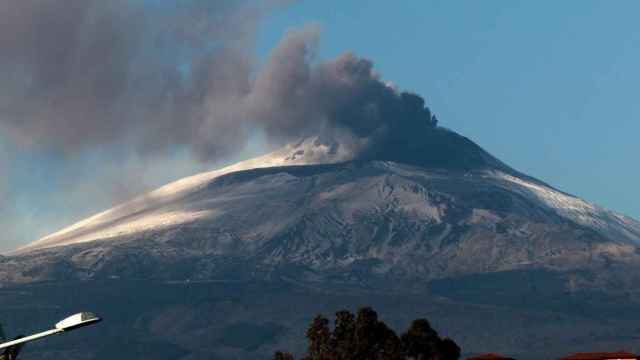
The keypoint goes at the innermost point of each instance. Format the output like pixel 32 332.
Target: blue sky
pixel 548 87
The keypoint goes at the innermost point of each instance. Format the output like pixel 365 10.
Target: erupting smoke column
pixel 112 86
pixel 81 74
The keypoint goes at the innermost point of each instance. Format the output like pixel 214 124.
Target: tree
pixel 319 337
pixel 449 350
pixel 420 341
pixel 365 337
pixel 366 334
pixel 279 355
pixel 343 338
pixel 391 346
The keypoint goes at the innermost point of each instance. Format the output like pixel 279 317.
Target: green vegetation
pixel 364 337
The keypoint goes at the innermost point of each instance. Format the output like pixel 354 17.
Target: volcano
pixel 428 224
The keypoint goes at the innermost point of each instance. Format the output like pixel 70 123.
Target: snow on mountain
pixel 572 208
pixel 332 216
pixel 312 205
pixel 109 223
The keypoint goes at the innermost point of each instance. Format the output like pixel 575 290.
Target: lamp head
pixel 77 321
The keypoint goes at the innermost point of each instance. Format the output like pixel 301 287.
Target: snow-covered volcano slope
pixel 171 205
pixel 381 217
pixel 139 215
pixel 309 204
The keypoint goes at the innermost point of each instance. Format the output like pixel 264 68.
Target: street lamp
pixel 71 323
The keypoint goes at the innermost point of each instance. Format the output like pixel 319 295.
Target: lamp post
pixel 71 323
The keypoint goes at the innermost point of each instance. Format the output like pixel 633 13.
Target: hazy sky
pixel 546 86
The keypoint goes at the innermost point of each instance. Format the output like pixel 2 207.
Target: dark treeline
pixel 363 337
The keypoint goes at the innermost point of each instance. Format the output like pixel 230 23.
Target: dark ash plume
pixel 293 97
pixel 88 73
pixel 147 79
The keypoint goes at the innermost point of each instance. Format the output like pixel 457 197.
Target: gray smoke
pixel 146 79
pixel 81 73
pixel 293 98
pixel 84 73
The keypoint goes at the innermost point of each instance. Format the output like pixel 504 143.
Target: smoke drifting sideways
pixel 81 74
pixel 154 77
pixel 341 98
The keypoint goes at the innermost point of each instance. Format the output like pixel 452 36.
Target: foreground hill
pixel 464 239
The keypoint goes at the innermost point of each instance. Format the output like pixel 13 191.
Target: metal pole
pixel 31 338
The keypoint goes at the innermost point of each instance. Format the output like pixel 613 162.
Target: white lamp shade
pixel 77 321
